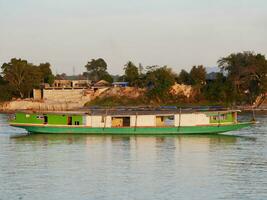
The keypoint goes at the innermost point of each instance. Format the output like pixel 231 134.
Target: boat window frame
pixel 121 117
pixel 163 118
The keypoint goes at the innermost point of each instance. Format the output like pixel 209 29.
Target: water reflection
pixel 134 141
pixel 181 143
pixel 134 167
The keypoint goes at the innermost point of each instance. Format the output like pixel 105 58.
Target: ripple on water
pixel 114 167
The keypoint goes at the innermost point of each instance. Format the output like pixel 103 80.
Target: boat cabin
pixel 133 118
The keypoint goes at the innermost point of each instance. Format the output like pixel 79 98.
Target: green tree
pixel 106 76
pixel 247 72
pixel 63 76
pixel 198 80
pixel 21 76
pixel 159 81
pixel 219 90
pixel 97 70
pixel 2 81
pixel 47 74
pixel 5 92
pixel 198 75
pixel 131 73
pixel 184 77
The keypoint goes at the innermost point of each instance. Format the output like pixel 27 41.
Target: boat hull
pixel 208 129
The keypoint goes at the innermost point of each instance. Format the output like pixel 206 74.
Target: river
pixel 82 167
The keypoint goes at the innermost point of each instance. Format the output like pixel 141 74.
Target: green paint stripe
pixel 134 131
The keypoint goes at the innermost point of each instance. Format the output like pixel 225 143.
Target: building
pixel 71 83
pixel 68 89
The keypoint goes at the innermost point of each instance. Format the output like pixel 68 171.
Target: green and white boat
pixel 130 121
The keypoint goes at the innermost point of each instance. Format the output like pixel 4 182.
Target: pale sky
pixel 177 33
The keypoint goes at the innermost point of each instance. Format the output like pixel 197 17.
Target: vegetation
pixel 97 70
pixel 159 80
pixel 46 73
pixel 19 78
pixel 242 79
pixel 246 75
pixel 219 90
pixel 131 74
pixel 112 101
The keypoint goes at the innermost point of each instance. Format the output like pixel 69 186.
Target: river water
pixel 70 167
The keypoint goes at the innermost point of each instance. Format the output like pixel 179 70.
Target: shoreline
pixel 9 107
pixel 244 109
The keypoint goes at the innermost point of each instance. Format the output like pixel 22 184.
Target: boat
pixel 131 121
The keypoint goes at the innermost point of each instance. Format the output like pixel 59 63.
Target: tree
pixel 106 76
pixel 97 70
pixel 5 92
pixel 198 75
pixel 131 73
pixel 159 81
pixel 21 76
pixel 2 81
pixel 247 72
pixel 219 90
pixel 198 80
pixel 47 74
pixel 62 76
pixel 184 77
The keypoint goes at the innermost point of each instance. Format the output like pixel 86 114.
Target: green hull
pixel 132 131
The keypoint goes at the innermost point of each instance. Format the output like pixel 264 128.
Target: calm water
pixel 64 167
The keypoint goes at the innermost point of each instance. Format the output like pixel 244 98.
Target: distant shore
pixel 4 109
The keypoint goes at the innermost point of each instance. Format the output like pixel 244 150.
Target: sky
pixel 176 33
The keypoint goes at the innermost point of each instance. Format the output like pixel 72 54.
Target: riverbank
pixel 112 97
pixel 29 104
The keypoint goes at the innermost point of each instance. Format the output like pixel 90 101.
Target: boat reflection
pixel 182 142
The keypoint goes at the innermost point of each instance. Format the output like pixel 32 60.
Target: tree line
pixel 242 77
pixel 19 78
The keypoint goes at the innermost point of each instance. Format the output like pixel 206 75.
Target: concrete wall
pixel 63 95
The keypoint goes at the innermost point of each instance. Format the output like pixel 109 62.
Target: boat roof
pixel 124 111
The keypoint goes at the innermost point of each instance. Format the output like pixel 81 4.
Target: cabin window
pixel 221 117
pixel 120 121
pixel 215 118
pixel 165 120
pixel 40 117
pixel 77 123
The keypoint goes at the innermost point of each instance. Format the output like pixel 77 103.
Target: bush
pixel 117 101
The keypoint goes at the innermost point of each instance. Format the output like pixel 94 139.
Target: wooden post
pixel 105 119
pixel 135 124
pixel 91 119
pixel 180 116
pixel 219 119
